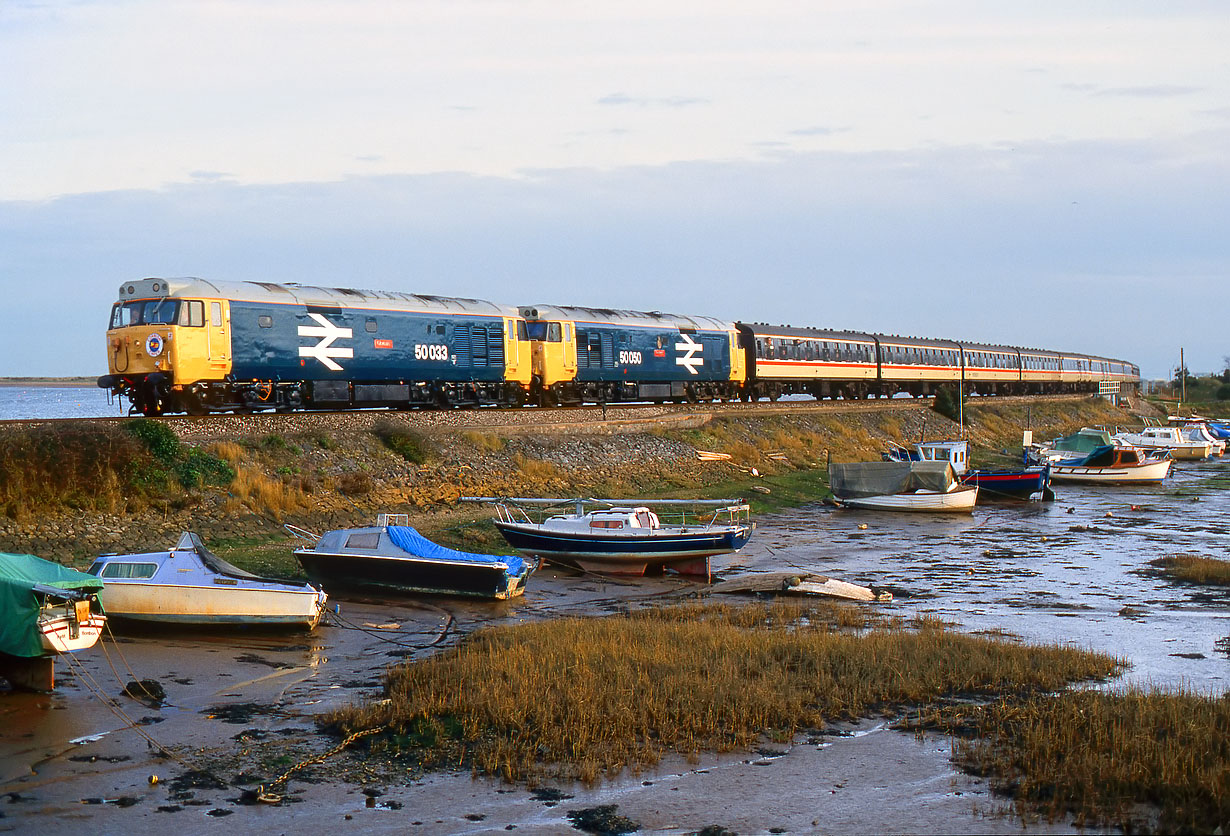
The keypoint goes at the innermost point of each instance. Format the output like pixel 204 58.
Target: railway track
pixel 522 419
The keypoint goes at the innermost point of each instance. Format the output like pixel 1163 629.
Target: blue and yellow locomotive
pixel 196 346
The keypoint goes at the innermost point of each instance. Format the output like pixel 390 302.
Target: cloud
pixel 1154 91
pixel 1055 245
pixel 623 99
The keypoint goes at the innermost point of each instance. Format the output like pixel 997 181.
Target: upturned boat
pixel 391 556
pixel 189 585
pixel 45 609
pixel 626 537
pixel 927 486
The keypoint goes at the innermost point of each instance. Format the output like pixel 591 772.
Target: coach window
pixel 192 314
pixel 264 321
pixel 370 325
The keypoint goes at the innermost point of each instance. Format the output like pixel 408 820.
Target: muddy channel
pixel 242 704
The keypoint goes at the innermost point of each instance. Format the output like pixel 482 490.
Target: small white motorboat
pixel 190 585
pixel 924 486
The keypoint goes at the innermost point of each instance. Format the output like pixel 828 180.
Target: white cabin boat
pixel 1168 439
pixel 1113 465
pixel 190 585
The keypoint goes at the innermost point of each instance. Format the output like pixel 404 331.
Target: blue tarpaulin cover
pixel 19 604
pixel 409 540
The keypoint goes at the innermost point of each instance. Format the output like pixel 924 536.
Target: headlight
pixel 153 345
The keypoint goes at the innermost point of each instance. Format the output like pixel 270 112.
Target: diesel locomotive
pixel 197 346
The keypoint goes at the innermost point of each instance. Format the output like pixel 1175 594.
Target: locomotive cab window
pixel 192 314
pixel 523 333
pixel 554 332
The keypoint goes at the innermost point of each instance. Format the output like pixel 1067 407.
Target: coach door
pixel 218 335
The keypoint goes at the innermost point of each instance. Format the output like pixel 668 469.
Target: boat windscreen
pixel 189 541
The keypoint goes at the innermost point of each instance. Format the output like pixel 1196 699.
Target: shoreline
pixel 49 382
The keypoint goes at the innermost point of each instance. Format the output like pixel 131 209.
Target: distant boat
pixel 1167 439
pixel 45 609
pixel 392 557
pixel 625 537
pixel 1113 465
pixel 189 585
pixel 929 486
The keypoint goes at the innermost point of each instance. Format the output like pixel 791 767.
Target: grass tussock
pixel 1190 568
pixel 263 495
pixel 587 697
pixel 1139 760
pixel 403 441
pixel 535 470
pixel 484 442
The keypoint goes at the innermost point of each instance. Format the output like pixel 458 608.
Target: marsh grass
pixel 1139 760
pixel 585 698
pixel 1191 568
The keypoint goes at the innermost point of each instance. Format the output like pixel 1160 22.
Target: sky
pixel 1050 174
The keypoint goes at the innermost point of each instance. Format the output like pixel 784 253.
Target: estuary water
pixel 23 402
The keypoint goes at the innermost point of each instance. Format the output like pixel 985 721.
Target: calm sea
pixel 57 402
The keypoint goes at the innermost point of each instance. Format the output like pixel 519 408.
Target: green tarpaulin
pixel 855 480
pixel 19 603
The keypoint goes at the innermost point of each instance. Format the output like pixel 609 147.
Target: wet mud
pixel 238 707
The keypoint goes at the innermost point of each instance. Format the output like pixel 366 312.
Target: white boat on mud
pixel 1113 465
pixel 926 486
pixel 625 537
pixel 1167 439
pixel 190 585
pixel 45 610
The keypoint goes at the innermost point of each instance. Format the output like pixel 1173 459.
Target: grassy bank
pixel 589 697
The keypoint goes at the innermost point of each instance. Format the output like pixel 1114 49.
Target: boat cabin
pixel 955 453
pixel 640 519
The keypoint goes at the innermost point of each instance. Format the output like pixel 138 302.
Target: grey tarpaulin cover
pixel 854 480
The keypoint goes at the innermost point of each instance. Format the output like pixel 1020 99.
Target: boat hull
pixel 1149 473
pixel 1008 484
pixel 191 604
pixel 62 632
pixel 959 501
pixel 412 575
pixel 684 552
